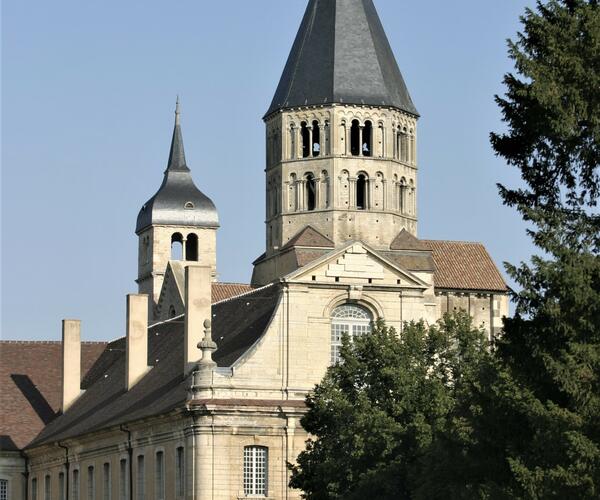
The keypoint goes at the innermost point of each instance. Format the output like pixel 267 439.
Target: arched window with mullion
pixel 348 319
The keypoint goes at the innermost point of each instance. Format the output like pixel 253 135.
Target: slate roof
pixel 308 236
pixel 341 55
pixel 178 201
pixel 30 382
pixel 237 324
pixel 464 266
pixel 406 241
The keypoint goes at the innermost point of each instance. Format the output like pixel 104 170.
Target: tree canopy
pixel 430 413
pixel 376 414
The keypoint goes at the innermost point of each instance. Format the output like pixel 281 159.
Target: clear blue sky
pixel 88 92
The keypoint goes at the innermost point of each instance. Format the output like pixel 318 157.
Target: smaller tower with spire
pixel 178 223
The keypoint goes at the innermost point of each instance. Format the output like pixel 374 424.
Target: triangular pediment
pixel 171 302
pixel 356 263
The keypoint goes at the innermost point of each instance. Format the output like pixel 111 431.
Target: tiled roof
pixel 237 324
pixel 30 381
pixel 222 291
pixel 464 266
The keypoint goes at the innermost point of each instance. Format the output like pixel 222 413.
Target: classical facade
pixel 202 399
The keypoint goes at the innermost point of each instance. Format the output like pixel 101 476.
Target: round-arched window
pixel 349 319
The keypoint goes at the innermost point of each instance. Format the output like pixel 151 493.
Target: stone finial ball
pixel 207 323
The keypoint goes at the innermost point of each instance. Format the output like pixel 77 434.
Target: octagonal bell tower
pixel 341 135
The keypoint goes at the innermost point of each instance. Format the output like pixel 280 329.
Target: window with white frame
pixel 159 476
pixel 179 472
pixel 351 320
pixel 256 465
pixel 3 489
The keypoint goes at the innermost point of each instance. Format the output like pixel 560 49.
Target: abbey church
pixel 202 399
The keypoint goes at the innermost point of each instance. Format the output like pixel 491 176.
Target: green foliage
pixel 552 107
pixel 529 425
pixel 376 414
pixel 430 413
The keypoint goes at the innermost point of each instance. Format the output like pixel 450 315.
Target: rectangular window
pixel 106 482
pixel 47 488
pixel 61 486
pixel 141 479
pixel 3 489
pixel 91 483
pixel 337 331
pixel 34 489
pixel 179 472
pixel 76 480
pixel 159 494
pixel 123 483
pixel 255 470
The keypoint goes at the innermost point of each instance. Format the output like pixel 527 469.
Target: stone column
pixel 183 242
pixel 317 193
pixel 203 463
pixel 370 201
pixel 302 197
pixel 326 139
pixel 360 140
pixel 292 150
pixel 384 194
pixel 352 192
pixel 310 140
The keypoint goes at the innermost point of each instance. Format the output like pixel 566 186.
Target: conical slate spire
pixel 177 154
pixel 178 202
pixel 341 55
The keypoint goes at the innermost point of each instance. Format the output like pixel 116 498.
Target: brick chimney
pixel 137 339
pixel 197 309
pixel 71 362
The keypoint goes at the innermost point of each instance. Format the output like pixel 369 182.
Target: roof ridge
pixel 231 283
pixel 244 294
pixel 454 241
pixel 47 342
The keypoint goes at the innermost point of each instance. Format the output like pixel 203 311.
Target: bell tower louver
pixel 341 136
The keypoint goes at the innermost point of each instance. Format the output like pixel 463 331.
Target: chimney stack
pixel 198 282
pixel 71 362
pixel 137 339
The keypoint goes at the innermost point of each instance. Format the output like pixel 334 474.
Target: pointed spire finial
pixel 177 155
